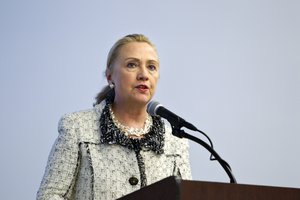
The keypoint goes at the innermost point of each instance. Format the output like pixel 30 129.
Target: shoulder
pixel 78 118
pixel 83 125
pixel 72 120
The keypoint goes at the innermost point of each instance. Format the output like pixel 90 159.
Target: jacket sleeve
pixel 60 173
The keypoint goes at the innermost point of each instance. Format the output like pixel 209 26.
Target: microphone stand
pixel 176 131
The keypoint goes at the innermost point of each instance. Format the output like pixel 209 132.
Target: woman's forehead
pixel 138 50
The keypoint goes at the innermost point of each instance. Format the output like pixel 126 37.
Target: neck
pixel 130 115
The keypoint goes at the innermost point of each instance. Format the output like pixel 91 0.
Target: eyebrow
pixel 136 59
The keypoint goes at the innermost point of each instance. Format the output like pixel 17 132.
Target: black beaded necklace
pixel 111 134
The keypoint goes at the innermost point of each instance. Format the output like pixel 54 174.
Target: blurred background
pixel 232 68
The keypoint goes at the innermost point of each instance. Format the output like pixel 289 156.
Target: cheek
pixel 154 81
pixel 118 77
pixel 124 81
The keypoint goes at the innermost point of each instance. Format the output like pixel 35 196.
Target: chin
pixel 143 100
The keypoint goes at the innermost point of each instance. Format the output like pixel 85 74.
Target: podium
pixel 172 188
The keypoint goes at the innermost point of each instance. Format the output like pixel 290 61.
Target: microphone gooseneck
pixel 154 108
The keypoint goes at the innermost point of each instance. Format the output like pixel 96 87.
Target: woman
pixel 116 148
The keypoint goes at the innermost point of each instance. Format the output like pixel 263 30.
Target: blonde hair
pixel 108 92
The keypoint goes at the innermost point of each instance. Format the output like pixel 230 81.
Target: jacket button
pixel 133 181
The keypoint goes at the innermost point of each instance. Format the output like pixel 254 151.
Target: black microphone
pixel 155 108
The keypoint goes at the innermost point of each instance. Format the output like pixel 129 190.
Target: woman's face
pixel 135 73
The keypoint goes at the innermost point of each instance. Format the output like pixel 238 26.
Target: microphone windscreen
pixel 152 107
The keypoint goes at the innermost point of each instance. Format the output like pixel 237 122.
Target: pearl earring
pixel 111 85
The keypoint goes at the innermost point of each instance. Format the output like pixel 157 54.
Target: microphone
pixel 156 109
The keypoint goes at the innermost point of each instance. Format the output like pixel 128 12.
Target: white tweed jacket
pixel 81 168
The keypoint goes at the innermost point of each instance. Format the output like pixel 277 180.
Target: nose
pixel 143 74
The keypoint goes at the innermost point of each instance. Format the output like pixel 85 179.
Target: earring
pixel 111 85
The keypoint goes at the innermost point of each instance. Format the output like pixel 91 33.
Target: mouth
pixel 144 87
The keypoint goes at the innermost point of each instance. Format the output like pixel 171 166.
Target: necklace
pixel 130 131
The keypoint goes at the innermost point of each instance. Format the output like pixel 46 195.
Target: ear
pixel 108 76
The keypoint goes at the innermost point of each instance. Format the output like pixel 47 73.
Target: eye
pixel 131 65
pixel 152 67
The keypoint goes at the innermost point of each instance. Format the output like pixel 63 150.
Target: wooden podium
pixel 172 188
